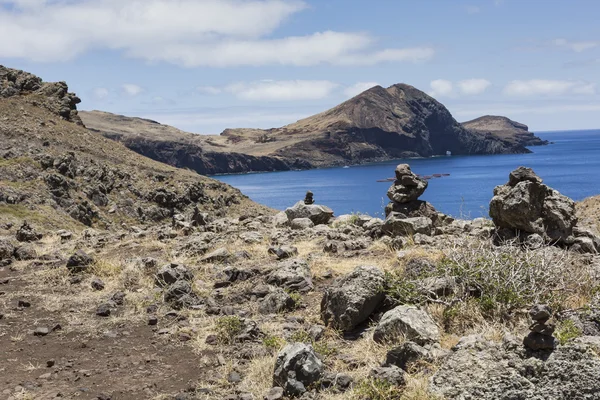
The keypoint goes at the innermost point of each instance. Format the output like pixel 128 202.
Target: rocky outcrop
pixel 54 96
pixel 296 368
pixel 351 299
pixel 505 129
pixel 408 322
pixel 480 369
pixel 318 214
pixel 525 206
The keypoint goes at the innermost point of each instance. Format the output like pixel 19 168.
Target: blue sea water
pixel 571 165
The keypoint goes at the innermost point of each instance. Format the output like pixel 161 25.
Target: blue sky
pixel 206 65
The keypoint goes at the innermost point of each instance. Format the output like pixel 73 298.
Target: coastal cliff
pixel 377 125
pixel 505 129
pixel 181 149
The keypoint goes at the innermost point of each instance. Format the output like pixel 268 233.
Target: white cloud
pixel 212 90
pixel 473 86
pixel 472 9
pixel 541 87
pixel 577 47
pixel 358 88
pixel 100 93
pixel 441 87
pixel 282 90
pixel 191 33
pixel 131 89
pixel 512 109
pixel 498 3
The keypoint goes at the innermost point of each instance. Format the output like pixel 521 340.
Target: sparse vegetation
pixel 376 389
pixel 228 327
pixel 566 331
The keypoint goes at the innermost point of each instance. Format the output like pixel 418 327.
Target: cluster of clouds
pixel 515 88
pixel 286 90
pixel 189 33
pixel 443 87
pixel 102 93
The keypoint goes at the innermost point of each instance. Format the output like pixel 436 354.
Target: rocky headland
pixel 124 278
pixel 378 124
pixel 505 129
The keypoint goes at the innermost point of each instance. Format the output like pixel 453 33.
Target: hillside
pixel 505 129
pixel 200 153
pixel 124 278
pixel 378 124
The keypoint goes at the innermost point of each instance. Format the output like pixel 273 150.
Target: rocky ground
pixel 123 278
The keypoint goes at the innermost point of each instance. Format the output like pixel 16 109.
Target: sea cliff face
pixel 377 125
pixel 505 129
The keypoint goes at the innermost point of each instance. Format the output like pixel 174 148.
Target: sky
pixel 207 65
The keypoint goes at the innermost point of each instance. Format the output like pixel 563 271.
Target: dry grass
pixel 588 212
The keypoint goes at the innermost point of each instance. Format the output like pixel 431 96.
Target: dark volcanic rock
pixel 526 205
pixel 54 96
pixel 504 129
pixel 351 299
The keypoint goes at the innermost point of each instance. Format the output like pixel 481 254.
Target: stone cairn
pixel 404 195
pixel 540 337
pixel 308 199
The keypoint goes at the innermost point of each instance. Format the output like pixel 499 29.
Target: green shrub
pixel 228 328
pixel 273 342
pixel 566 331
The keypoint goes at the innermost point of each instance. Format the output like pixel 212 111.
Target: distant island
pixel 377 125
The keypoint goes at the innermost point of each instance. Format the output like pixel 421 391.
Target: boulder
pixel 293 275
pixel 275 302
pixel 350 300
pixel 318 214
pixel 172 273
pixel 6 250
pixel 406 354
pixel 25 252
pixel 416 208
pixel 283 252
pixel 79 262
pixel 221 255
pixel 180 294
pixel 27 233
pixel 299 224
pixel 395 224
pixel 526 205
pixel 296 368
pixel 390 374
pixel 407 321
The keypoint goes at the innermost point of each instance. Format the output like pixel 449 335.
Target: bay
pixel 570 165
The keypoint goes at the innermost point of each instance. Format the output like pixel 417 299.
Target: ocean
pixel 570 165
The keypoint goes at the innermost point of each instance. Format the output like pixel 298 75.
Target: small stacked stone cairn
pixel 308 199
pixel 540 337
pixel 404 195
pixel 407 187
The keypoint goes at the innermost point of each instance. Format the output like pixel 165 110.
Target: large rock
pixel 275 302
pixel 293 275
pixel 6 251
pixel 408 322
pixel 172 273
pixel 407 187
pixel 318 214
pixel 479 369
pixel 351 299
pixel 395 224
pixel 79 261
pixel 526 205
pixel 296 368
